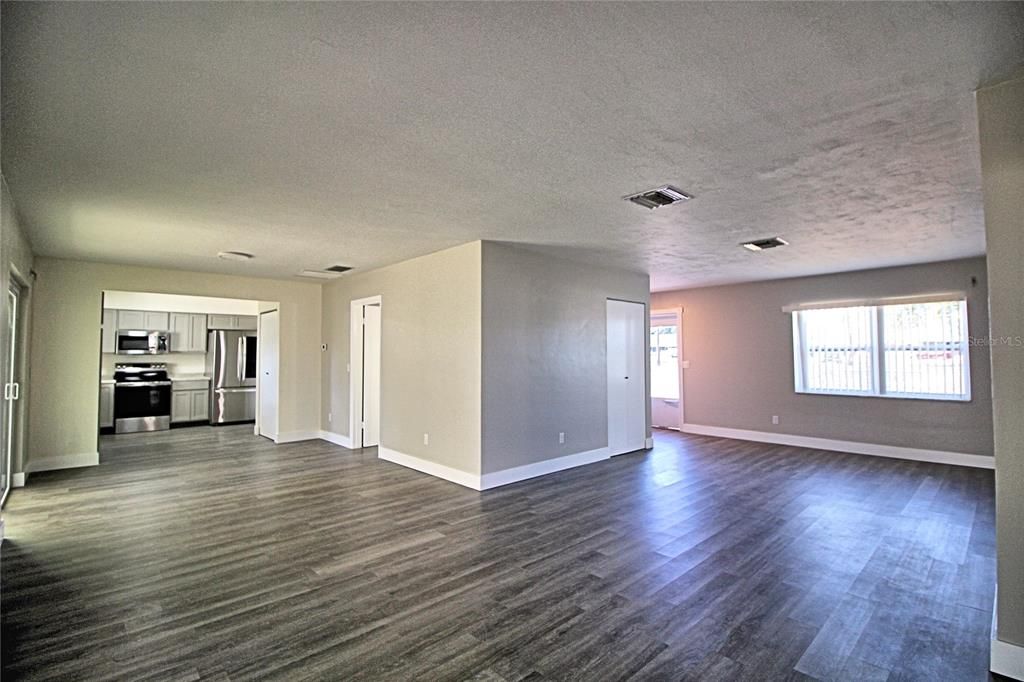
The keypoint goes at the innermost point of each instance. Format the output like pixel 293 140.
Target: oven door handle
pixel 129 384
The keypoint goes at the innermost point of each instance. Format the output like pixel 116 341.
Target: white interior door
pixel 371 375
pixel 12 390
pixel 269 353
pixel 627 377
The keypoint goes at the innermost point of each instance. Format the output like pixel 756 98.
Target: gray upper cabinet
pixel 131 319
pixel 181 332
pixel 222 321
pixel 157 321
pixel 197 330
pixel 188 333
pixel 241 322
pixel 188 330
pixel 143 319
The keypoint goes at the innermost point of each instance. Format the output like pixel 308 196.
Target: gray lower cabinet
pixel 189 402
pixel 106 405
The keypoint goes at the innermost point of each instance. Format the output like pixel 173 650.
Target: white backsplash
pixel 177 363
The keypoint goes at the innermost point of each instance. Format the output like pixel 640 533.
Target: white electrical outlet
pixel 426 439
pixel 775 419
pixel 561 438
pixel 330 417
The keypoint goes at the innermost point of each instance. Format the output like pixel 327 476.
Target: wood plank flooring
pixel 209 553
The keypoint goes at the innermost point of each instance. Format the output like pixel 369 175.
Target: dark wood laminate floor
pixel 212 554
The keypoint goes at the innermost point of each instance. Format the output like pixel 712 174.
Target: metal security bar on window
pixel 913 350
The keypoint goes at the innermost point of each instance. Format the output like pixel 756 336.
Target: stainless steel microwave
pixel 143 342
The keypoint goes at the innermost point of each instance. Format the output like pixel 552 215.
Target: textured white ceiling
pixel 364 134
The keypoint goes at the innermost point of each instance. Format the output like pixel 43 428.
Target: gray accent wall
pixel 544 354
pixel 1001 127
pixel 740 347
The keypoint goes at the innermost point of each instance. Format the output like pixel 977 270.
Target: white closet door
pixel 371 375
pixel 267 347
pixel 627 377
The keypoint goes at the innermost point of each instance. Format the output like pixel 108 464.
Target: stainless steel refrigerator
pixel 231 364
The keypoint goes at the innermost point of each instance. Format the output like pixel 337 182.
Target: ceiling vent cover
pixel 332 272
pixel 656 198
pixel 762 244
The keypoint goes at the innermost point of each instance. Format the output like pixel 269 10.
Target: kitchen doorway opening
pixel 170 361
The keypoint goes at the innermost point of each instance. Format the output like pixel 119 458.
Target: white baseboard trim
pixel 893 451
pixel 427 467
pixel 296 436
pixel 548 466
pixel 1005 658
pixel 336 438
pixel 649 443
pixel 18 480
pixel 83 459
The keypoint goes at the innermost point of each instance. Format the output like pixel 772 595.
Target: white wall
pixel 430 355
pixel 65 363
pixel 1001 126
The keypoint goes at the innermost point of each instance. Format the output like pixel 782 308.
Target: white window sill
pixel 892 396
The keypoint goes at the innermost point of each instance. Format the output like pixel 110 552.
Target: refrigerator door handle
pixel 243 389
pixel 240 364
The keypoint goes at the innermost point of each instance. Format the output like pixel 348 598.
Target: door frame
pixel 19 409
pixel 678 312
pixel 355 366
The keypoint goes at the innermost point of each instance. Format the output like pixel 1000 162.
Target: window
pixel 915 350
pixel 664 360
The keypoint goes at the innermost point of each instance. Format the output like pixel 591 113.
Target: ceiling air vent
pixel 762 244
pixel 331 272
pixel 656 198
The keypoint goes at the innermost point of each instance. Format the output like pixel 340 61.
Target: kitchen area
pixel 171 361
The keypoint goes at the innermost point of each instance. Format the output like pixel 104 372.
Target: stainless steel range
pixel 142 397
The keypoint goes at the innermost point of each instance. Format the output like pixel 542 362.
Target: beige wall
pixel 1001 124
pixel 66 345
pixel 16 260
pixel 740 347
pixel 544 354
pixel 430 355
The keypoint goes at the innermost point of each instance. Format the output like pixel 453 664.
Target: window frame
pixel 877 352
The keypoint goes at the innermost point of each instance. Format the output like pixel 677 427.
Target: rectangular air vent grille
pixel 656 198
pixel 762 244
